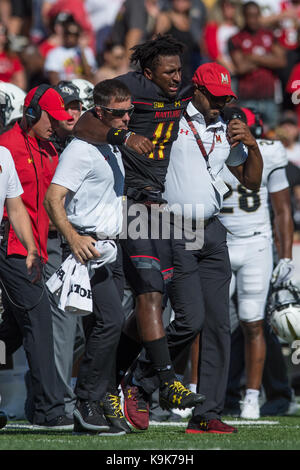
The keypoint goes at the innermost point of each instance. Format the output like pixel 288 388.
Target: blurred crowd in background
pixel 45 41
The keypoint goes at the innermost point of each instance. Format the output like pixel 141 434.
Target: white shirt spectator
pixel 67 62
pixel 10 185
pixel 94 176
pixel 185 187
pixel 268 7
pixel 102 13
pixel 293 154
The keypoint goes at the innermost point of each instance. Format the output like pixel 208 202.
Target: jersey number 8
pixel 249 201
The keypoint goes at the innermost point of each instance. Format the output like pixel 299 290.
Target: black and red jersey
pixel 157 117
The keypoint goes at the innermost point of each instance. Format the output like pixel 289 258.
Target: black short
pixel 147 261
pixel 21 8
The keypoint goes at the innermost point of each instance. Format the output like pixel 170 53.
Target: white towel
pixel 71 281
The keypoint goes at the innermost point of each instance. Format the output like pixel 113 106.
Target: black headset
pixel 33 111
pixel 257 128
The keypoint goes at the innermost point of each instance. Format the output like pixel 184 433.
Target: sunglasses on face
pixel 72 33
pixel 118 112
pixel 220 100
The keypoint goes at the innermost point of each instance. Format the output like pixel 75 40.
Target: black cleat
pixel 113 413
pixel 3 419
pixel 176 395
pixel 89 415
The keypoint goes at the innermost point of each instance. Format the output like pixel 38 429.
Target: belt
pixel 94 235
pixel 195 223
pixel 52 234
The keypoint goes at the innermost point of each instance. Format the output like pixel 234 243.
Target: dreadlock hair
pixel 147 54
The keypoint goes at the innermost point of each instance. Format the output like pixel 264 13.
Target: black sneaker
pixel 3 419
pixel 113 413
pixel 112 431
pixel 89 414
pixel 176 395
pixel 60 423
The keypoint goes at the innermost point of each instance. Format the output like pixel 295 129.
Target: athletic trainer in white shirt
pixel 199 291
pixel 90 179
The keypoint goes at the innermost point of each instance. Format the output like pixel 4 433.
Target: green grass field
pixel 276 433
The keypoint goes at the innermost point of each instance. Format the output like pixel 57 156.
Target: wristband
pixel 127 136
pixel 116 136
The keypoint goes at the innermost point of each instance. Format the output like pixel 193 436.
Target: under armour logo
pixel 177 399
pixel 182 131
pixel 218 138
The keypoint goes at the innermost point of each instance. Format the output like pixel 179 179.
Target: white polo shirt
pixel 94 176
pixel 188 181
pixel 10 185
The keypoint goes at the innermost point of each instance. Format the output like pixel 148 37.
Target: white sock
pixel 192 388
pixel 252 394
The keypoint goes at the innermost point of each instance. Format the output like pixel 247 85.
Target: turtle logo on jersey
pixel 158 104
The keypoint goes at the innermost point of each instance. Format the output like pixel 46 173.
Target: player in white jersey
pixel 246 216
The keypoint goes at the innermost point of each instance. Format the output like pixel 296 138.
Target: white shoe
pixel 187 413
pixel 294 407
pixel 250 409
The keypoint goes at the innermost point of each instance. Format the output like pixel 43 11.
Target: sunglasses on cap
pixel 220 100
pixel 116 112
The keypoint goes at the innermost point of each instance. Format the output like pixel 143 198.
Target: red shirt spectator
pixel 260 82
pixel 288 33
pixel 218 32
pixel 11 69
pixel 293 87
pixel 45 47
pixel 9 65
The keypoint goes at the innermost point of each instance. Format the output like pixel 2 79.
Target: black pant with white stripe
pixel 199 294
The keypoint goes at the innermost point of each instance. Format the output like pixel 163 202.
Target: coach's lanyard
pixel 199 141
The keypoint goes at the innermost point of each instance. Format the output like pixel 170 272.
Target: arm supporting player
pixel 82 246
pixel 92 130
pixel 249 173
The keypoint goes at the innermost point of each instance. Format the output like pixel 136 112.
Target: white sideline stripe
pixel 251 421
pixel 155 423
pixel 231 423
